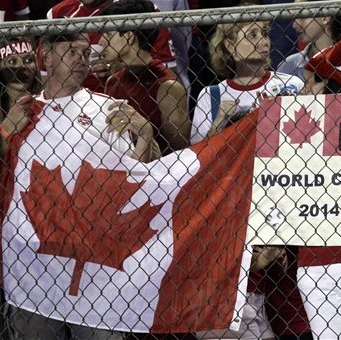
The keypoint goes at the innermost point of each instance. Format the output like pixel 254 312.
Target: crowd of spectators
pixel 165 80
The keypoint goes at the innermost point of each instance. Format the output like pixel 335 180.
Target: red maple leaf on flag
pixel 88 225
pixel 302 128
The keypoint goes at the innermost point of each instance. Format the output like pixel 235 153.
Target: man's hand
pixel 123 117
pixel 16 119
pixel 18 116
pixel 100 69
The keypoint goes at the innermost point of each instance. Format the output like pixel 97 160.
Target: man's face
pixel 69 61
pixel 115 46
pixel 309 30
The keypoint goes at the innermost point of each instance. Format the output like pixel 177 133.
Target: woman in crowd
pixel 18 77
pixel 240 53
pixel 18 72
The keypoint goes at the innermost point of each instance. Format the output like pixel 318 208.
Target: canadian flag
pixel 95 238
pixel 92 237
pixel 297 177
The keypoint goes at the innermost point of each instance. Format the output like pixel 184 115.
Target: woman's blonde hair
pixel 222 60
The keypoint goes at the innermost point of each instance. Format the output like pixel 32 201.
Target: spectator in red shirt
pixel 15 10
pixel 148 85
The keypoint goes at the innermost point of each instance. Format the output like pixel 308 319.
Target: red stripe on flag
pixel 7 171
pixel 332 126
pixel 209 221
pixel 268 128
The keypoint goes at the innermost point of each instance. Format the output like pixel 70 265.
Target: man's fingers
pixel 117 103
pixel 119 123
pixel 25 100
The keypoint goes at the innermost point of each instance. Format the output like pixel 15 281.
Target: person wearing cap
pixel 46 131
pixel 18 72
pixel 78 9
pixel 319 268
pixel 19 76
pixel 323 71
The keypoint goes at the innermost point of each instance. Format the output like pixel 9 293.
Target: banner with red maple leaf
pixel 96 238
pixel 297 177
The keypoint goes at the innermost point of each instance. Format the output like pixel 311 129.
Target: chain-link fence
pixel 171 174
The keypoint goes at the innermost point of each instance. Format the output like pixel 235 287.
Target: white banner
pixel 296 197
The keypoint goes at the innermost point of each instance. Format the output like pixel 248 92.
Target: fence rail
pixel 97 244
pixel 173 19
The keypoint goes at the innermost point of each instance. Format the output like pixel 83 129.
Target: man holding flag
pixel 95 241
pixel 68 118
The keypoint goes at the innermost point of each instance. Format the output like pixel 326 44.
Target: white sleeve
pixel 202 118
pixel 300 83
pixel 122 143
pixel 23 11
pixel 49 14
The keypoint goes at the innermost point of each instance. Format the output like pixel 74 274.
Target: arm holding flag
pixel 226 110
pixel 123 118
pixel 16 119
